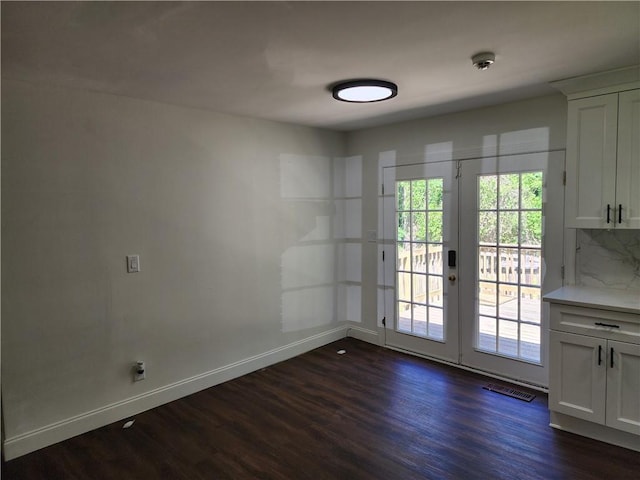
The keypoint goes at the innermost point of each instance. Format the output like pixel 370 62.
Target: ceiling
pixel 274 60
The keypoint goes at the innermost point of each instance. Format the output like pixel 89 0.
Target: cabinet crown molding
pixel 599 83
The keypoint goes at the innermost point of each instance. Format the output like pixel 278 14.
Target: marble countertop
pixel 594 297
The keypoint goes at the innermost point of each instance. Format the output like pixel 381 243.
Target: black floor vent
pixel 510 392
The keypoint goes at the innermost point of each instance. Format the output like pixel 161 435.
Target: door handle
pixel 599 354
pixel 611 357
pixel 620 213
pixel 608 325
pixel 608 213
pixel 452 278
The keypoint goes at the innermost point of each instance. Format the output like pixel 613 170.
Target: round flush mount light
pixel 364 91
pixel 483 60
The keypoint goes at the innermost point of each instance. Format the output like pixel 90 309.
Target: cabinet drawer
pixel 607 324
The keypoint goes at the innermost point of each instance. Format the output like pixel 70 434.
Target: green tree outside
pixel 516 197
pixel 419 206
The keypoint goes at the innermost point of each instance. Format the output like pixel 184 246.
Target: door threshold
pixel 533 386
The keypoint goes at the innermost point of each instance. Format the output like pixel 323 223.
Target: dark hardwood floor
pixel 370 414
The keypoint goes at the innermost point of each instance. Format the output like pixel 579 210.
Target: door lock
pixel 452 278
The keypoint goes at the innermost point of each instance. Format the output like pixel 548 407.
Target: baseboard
pixel 364 334
pixel 602 433
pixel 63 430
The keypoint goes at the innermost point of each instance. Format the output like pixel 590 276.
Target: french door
pixel 423 223
pixel 472 241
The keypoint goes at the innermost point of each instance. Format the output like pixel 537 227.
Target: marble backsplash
pixel 608 258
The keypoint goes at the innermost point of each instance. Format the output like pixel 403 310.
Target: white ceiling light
pixel 483 60
pixel 364 91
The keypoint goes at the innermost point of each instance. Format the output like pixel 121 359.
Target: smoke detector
pixel 483 60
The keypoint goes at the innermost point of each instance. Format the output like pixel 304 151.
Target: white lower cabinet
pixel 594 373
pixel 596 380
pixel 623 387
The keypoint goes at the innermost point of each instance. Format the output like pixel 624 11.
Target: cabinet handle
pixel 608 213
pixel 599 354
pixel 610 325
pixel 620 213
pixel 611 357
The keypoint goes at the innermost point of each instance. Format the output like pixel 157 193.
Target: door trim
pixel 552 163
pixel 448 350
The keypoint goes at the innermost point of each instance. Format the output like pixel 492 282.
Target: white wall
pixel 256 240
pixel 538 124
pixel 238 231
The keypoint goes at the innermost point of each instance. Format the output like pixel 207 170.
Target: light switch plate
pixel 133 263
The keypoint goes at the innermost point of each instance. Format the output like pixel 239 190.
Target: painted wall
pixel 239 229
pixel 256 239
pixel 533 125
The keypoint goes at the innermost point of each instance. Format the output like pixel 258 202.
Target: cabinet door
pixel 577 376
pixel 591 162
pixel 623 386
pixel 628 176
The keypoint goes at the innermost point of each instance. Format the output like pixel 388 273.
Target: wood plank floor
pixel 370 414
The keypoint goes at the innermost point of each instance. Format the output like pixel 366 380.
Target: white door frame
pixel 552 165
pixel 458 308
pixel 449 349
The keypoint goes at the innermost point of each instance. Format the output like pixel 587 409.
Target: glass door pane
pixel 419 209
pixel 509 225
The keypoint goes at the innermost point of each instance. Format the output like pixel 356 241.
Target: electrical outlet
pixel 139 371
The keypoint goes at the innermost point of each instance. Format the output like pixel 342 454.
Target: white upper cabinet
pixel 603 149
pixel 591 161
pixel 603 161
pixel 628 165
